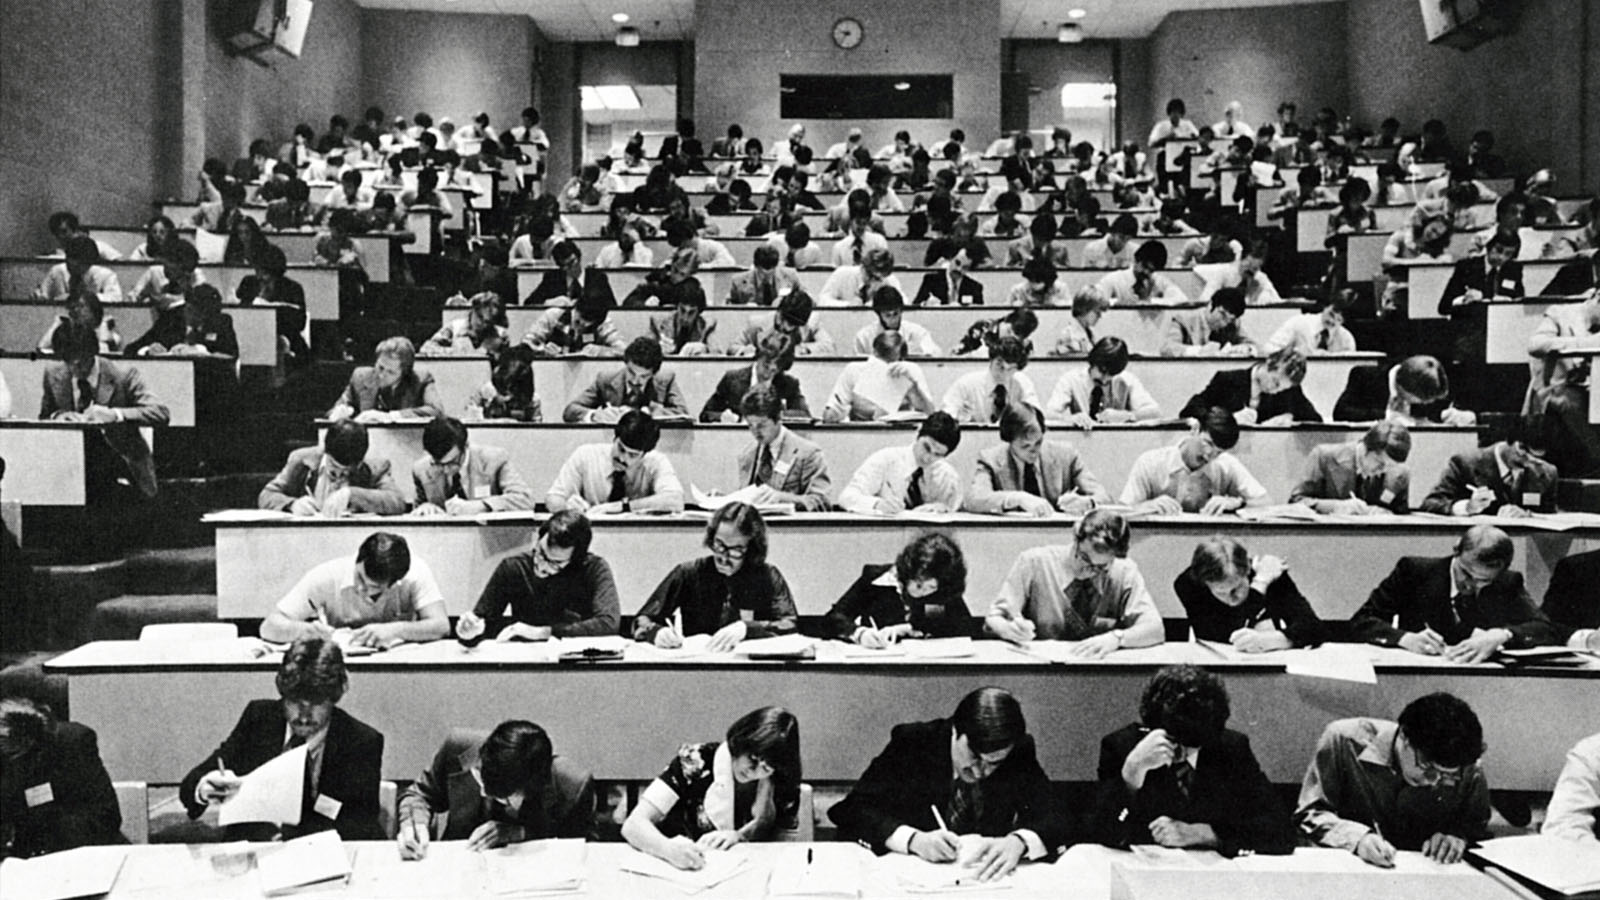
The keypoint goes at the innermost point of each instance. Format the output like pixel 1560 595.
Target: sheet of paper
pixel 1175 858
pixel 82 872
pixel 537 868
pixel 1338 662
pixel 822 870
pixel 1295 512
pixel 271 793
pixel 1549 861
pixel 211 246
pixel 750 494
pixel 609 643
pixel 918 876
pixel 448 870
pixel 245 515
pixel 940 648
pixel 720 866
pixel 313 859
pixel 880 388
pixel 1309 860
pixel 783 645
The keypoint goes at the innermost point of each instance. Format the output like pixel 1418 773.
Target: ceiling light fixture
pixel 1077 13
pixel 902 85
pixel 1070 33
pixel 627 36
pixel 620 18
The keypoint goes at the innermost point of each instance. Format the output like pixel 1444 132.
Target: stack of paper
pixel 826 870
pixel 720 866
pixel 537 868
pixel 314 859
pixel 788 646
pixel 83 872
pixel 918 876
pixel 747 494
pixel 1563 866
pixel 271 793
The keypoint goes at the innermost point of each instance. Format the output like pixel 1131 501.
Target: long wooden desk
pixel 19 276
pixel 299 246
pixel 22 323
pixel 45 461
pixel 170 378
pixel 821 554
pixel 704 454
pixel 1426 283
pixel 907 251
pixel 133 692
pixel 1511 325
pixel 1364 252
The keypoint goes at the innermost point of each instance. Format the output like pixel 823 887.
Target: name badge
pixel 781 467
pixel 933 610
pixel 327 807
pixel 1386 497
pixel 480 491
pixel 1532 498
pixel 1508 285
pixel 747 616
pixel 39 795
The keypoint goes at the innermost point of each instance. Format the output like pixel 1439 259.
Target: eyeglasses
pixel 545 560
pixel 1434 774
pixel 721 549
pixel 1084 563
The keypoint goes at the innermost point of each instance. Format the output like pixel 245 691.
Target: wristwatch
pixel 1118 633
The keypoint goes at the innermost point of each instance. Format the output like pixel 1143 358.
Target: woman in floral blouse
pixel 714 795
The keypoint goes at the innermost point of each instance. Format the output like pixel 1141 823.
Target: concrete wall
pixel 447 64
pixel 1047 65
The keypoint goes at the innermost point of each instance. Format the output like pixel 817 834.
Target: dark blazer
pixel 942 614
pixel 284 290
pixel 596 289
pixel 1231 391
pixel 372 486
pixel 352 763
pixel 1229 792
pixel 1572 601
pixel 1417 593
pixel 1478 467
pixel 735 383
pixel 1572 280
pixel 1366 397
pixel 121 389
pixel 565 807
pixel 1283 604
pixel 417 394
pixel 936 287
pixel 170 330
pixel 1331 475
pixel 610 389
pixel 914 773
pixel 82 808
pixel 1471 273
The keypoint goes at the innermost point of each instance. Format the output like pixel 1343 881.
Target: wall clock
pixel 847 33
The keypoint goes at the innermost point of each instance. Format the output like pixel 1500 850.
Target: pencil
pixel 938 818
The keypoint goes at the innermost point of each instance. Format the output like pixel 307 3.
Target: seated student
pixel 496 788
pixel 555 589
pixel 392 384
pixel 1318 332
pixel 1195 475
pixel 685 331
pixel 919 595
pixel 1475 282
pixel 385 598
pixel 855 285
pixel 1570 600
pixel 1088 592
pixel 792 319
pixel 1574 810
pixel 570 284
pixel 57 794
pixel 915 477
pixel 731 594
pixel 770 370
pixel 1416 390
pixel 479 331
pixel 1364 477
pixel 1008 222
pixel 1030 474
pixel 1375 786
pixel 64 225
pixel 1180 778
pixel 1210 331
pixel 1089 304
pixel 975 772
pixel 1142 282
pixel 1267 393
pixel 460 479
pixel 1115 249
pixel 509 393
pixel 639 384
pixel 627 251
pixel 1464 606
pixel 344 755
pixel 983 396
pixel 293 210
pixel 953 285
pixel 1244 274
pixel 579 328
pixel 765 282
pixel 625 475
pixel 270 284
pixel 1039 243
pixel 889 306
pixel 1019 323
pixel 334 480
pixel 1169 222
pixel 1506 479
pixel 81 387
pixel 193 326
pixel 1040 286
pixel 164 284
pixel 158 230
pixel 1427 240
pixel 1251 603
pixel 84 308
pixel 347 194
pixel 888 350
pixel 1102 392
pixel 714 795
pixel 81 271
pixel 790 468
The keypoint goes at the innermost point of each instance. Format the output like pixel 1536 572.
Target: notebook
pixel 81 872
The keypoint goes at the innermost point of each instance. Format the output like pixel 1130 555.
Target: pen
pixel 938 818
pixel 873 622
pixel 222 767
pixel 809 856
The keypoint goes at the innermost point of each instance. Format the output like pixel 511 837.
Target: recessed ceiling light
pixel 1070 33
pixel 619 18
pixel 902 85
pixel 627 36
pixel 1077 13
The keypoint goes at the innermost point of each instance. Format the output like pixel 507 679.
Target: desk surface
pixel 130 692
pixel 19 277
pixel 22 323
pixel 170 378
pixel 52 455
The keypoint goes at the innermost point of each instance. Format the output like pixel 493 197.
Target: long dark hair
pixel 772 735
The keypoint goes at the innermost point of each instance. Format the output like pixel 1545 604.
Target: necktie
pixel 999 402
pixel 455 487
pixel 85 394
pixel 966 807
pixel 766 288
pixel 1322 339
pixel 619 486
pixel 763 470
pixel 1183 775
pixel 308 781
pixel 1030 480
pixel 1097 400
pixel 855 250
pixel 955 289
pixel 788 260
pixel 914 490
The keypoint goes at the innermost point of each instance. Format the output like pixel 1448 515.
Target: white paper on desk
pixel 313 859
pixel 877 386
pixel 343 637
pixel 903 415
pixel 1157 856
pixel 245 515
pixel 1307 860
pixel 940 648
pixel 1225 651
pixel 720 866
pixel 750 494
pixel 852 650
pixel 503 515
pixel 272 793
pixel 537 868
pixel 918 876
pixel 81 872
pixel 1296 512
pixel 607 643
pixel 1550 861
pixel 785 645
pixel 1338 662
pixel 823 870
pixel 211 246
pixel 448 870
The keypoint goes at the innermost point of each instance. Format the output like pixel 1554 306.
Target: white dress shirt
pixel 1126 392
pixel 843 287
pixel 1161 472
pixel 919 341
pixel 887 474
pixel 843 252
pixel 1304 331
pixel 971 398
pixel 1119 287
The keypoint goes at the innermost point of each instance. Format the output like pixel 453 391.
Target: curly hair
pixel 1187 702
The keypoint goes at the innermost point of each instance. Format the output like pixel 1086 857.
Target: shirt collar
pixel 1174 462
pixel 1500 462
pixel 315 742
pixel 1379 750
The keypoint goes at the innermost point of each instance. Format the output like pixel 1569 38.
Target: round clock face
pixel 847 33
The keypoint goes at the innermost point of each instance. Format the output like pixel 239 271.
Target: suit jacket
pixel 1571 600
pixel 352 763
pixel 1229 792
pixel 171 329
pixel 798 467
pixel 416 394
pixel 1331 475
pixel 596 288
pixel 488 476
pixel 372 487
pixel 941 614
pixel 1366 398
pixel 914 773
pixel 118 388
pixel 1478 467
pixel 1231 390
pixel 743 289
pixel 1060 471
pixel 610 389
pixel 1471 273
pixel 735 383
pixel 1212 620
pixel 936 287
pixel 82 808
pixel 1417 592
pixel 565 808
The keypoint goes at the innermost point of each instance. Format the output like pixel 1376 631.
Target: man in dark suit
pixel 1463 607
pixel 1416 390
pixel 344 756
pixel 54 790
pixel 82 387
pixel 570 280
pixel 639 384
pixel 1504 479
pixel 1267 393
pixel 1180 779
pixel 953 285
pixel 1572 602
pixel 977 769
pixel 1476 282
pixel 497 788
pixel 774 357
pixel 335 479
